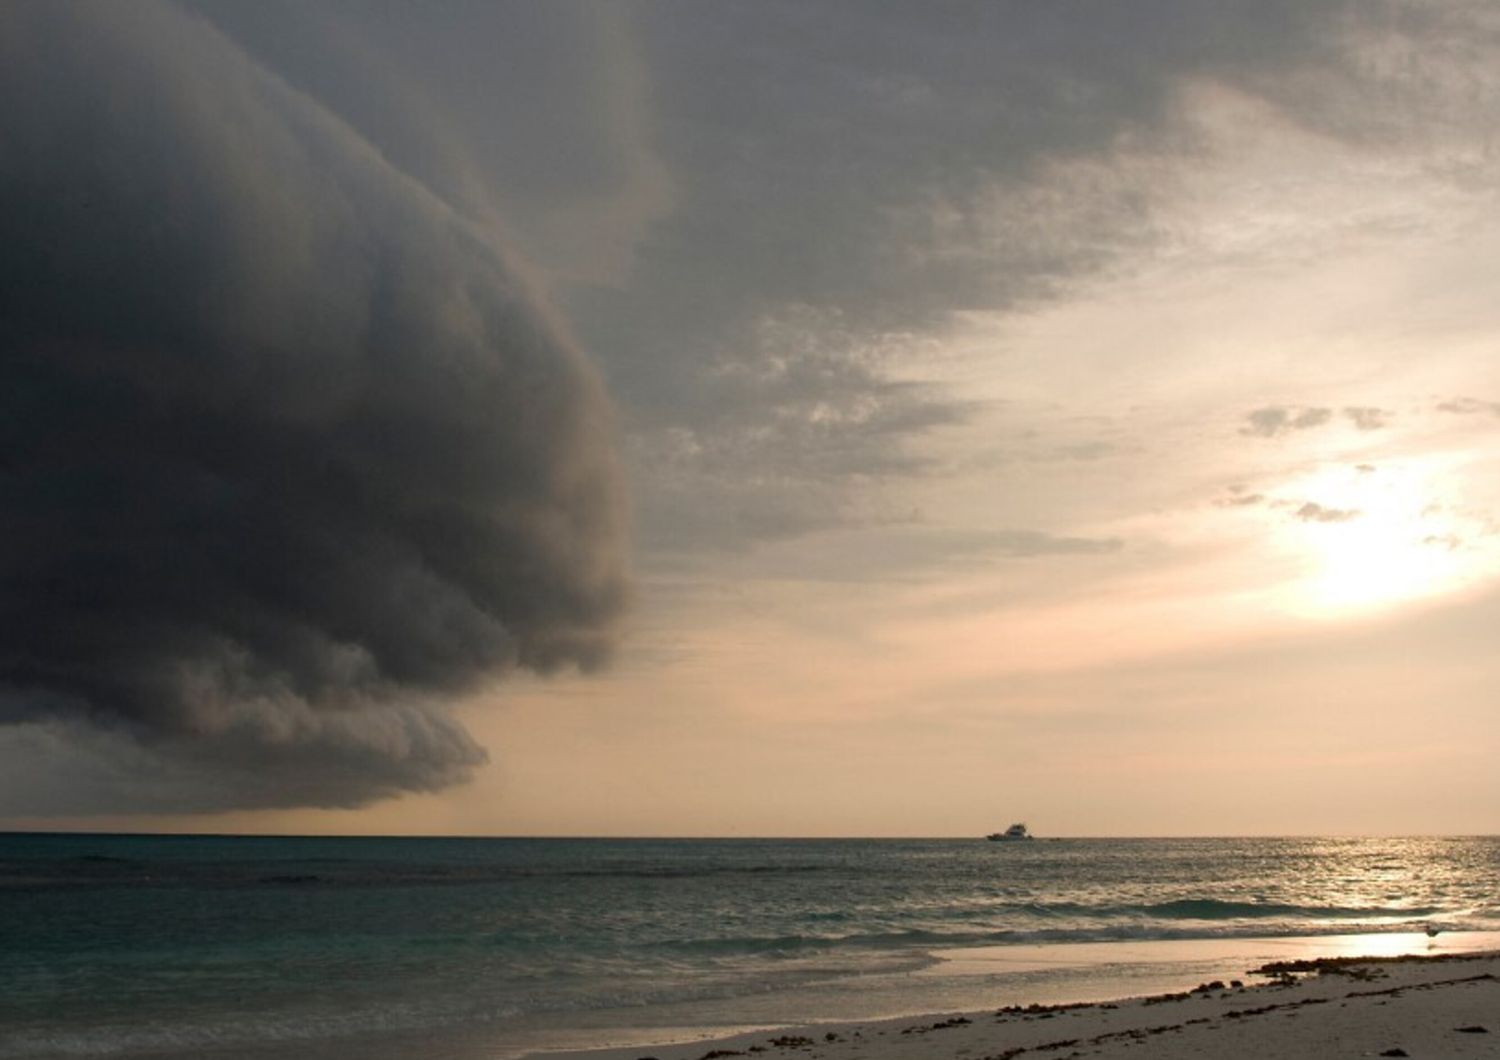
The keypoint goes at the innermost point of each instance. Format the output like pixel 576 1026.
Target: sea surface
pixel 163 946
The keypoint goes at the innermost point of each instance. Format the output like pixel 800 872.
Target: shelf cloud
pixel 292 458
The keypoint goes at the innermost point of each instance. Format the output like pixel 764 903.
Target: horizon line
pixel 145 834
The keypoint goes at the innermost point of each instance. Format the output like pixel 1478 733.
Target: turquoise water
pixel 243 946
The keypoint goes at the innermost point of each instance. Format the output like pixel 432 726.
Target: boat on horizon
pixel 1011 834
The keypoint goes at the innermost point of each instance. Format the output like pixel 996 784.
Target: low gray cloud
pixel 1312 512
pixel 1272 421
pixel 1466 406
pixel 291 456
pixel 1368 418
pixel 1275 420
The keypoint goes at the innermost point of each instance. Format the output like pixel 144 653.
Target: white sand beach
pixel 1446 1006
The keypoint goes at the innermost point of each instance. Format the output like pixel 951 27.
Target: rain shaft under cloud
pixel 291 456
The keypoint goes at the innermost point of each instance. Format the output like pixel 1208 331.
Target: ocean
pixel 206 946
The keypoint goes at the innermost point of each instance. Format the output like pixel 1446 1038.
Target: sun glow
pixel 1378 562
pixel 1375 538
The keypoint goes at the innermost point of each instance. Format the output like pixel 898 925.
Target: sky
pixel 750 418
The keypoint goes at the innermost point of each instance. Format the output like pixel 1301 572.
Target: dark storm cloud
pixel 888 136
pixel 289 456
pixel 526 115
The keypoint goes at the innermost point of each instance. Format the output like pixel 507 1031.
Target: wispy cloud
pixel 1036 543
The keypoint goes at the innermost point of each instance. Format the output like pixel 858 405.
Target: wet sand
pixel 1432 1007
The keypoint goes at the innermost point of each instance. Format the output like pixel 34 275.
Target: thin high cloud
pixel 1029 543
pixel 292 456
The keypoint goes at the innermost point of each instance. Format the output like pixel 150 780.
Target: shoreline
pixel 1437 1005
